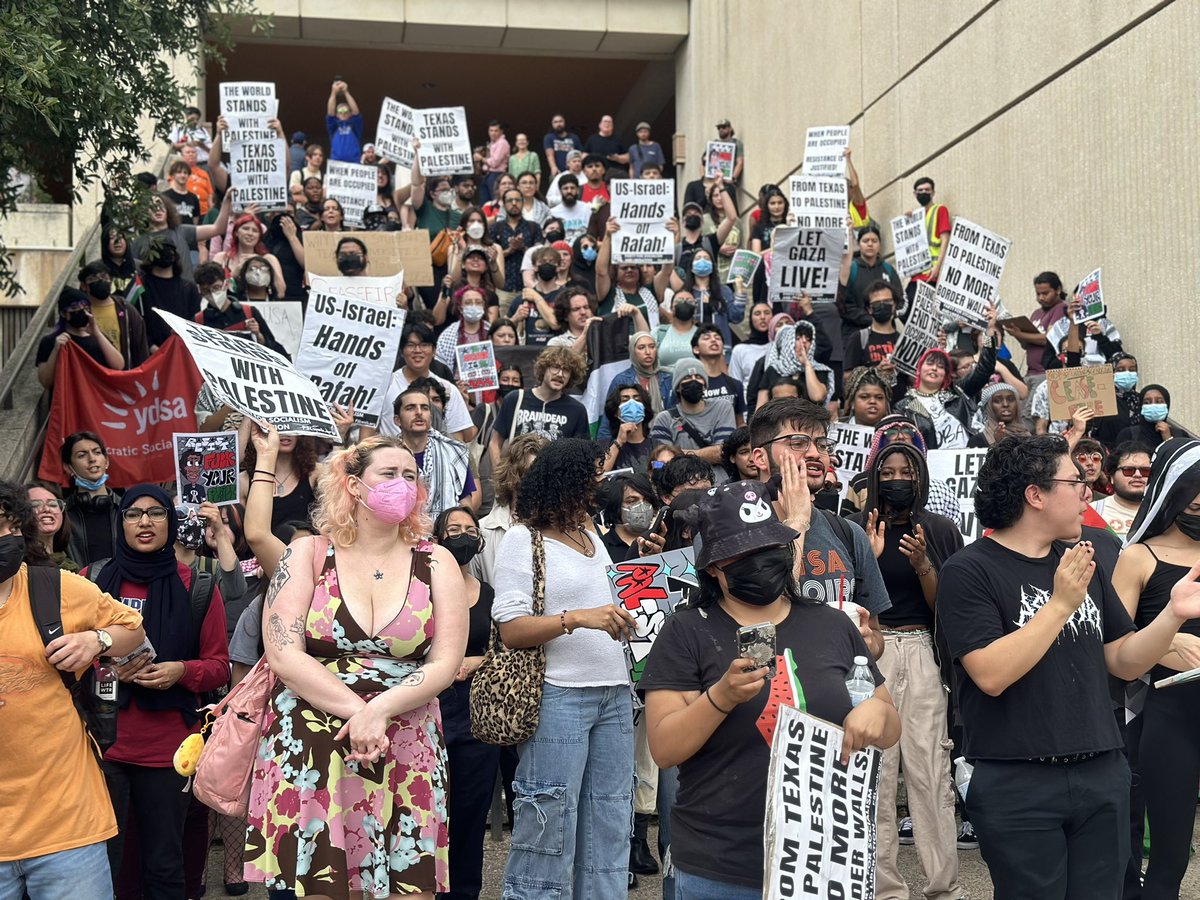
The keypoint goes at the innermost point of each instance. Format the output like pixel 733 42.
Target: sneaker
pixel 966 837
pixel 905 832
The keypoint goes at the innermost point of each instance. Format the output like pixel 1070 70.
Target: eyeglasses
pixel 1077 482
pixel 420 345
pixel 1130 471
pixel 801 442
pixel 1089 457
pixel 896 431
pixel 59 504
pixel 133 515
pixel 456 530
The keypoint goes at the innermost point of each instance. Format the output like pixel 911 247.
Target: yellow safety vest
pixel 859 221
pixel 935 242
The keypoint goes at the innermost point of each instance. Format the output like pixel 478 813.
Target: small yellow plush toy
pixel 188 754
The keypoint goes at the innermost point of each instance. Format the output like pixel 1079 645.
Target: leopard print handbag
pixel 506 692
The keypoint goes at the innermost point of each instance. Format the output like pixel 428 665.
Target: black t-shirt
pixel 174 295
pixel 903 585
pixel 606 146
pixel 87 343
pixel 537 330
pixel 729 388
pixel 878 347
pixel 717 822
pixel 1059 707
pixel 565 417
pixel 187 203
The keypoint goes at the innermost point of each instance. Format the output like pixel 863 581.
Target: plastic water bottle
pixel 860 684
pixel 962 775
pixel 106 688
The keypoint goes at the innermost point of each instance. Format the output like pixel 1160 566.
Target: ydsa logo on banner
pixel 145 413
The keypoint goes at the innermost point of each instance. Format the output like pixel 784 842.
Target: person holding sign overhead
pixel 937 229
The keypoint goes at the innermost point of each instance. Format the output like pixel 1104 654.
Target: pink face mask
pixel 392 501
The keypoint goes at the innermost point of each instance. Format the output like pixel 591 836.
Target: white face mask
pixel 475 230
pixel 258 277
pixel 219 299
pixel 472 313
pixel 445 198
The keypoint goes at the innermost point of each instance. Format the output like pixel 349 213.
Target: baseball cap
pixel 368 148
pixel 688 366
pixel 475 251
pixel 724 123
pixel 640 126
pixel 692 204
pixel 574 154
pixel 738 518
pixel 299 137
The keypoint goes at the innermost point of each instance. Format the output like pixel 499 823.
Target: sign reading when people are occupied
pixel 819 831
pixel 805 261
pixel 352 185
pixel 920 331
pixel 971 272
pixel 959 470
pixel 823 146
pixel 642 209
pixel 818 201
pixel 247 106
pixel 445 145
pixel 912 245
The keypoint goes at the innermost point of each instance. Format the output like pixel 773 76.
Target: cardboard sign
pixel 255 380
pixel 395 131
pixel 743 265
pixel 971 272
pixel 643 209
pixel 1092 386
pixel 285 318
pixel 247 107
pixel 819 202
pixel 1091 297
pixel 823 146
pixel 853 448
pixel 820 822
pixel 259 171
pixel 388 252
pixel 475 365
pixel 206 468
pixel 805 261
pixel 920 331
pixel 352 185
pixel 912 245
pixel 959 470
pixel 445 144
pixel 349 347
pixel 719 159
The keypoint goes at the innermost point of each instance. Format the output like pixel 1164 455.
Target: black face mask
pixel 691 223
pixel 349 262
pixel 691 391
pixel 12 554
pixel 760 579
pixel 552 236
pixel 167 257
pixel 505 389
pixel 547 271
pixel 684 310
pixel 1189 525
pixel 100 289
pixel 462 547
pixel 924 199
pixel 881 312
pixel 898 494
pixel 77 319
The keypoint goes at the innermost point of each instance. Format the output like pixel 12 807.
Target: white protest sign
pixel 352 185
pixel 394 134
pixel 285 318
pixel 959 469
pixel 853 447
pixel 719 159
pixel 912 245
pixel 255 380
pixel 1091 295
pixel 819 201
pixel 382 290
pixel 823 146
pixel 820 823
pixel 970 276
pixel 920 331
pixel 642 208
pixel 445 144
pixel 805 261
pixel 247 106
pixel 475 364
pixel 259 171
pixel 349 348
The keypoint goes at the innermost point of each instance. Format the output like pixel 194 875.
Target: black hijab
pixel 167 614
pixel 756 336
pixel 1174 483
pixel 582 271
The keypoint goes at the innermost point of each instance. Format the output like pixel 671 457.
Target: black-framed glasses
pixel 1077 482
pixel 1130 471
pixel 55 504
pixel 801 442
pixel 133 515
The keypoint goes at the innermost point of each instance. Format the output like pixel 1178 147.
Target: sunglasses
pixel 1130 471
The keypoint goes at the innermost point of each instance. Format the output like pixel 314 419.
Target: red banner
pixel 134 412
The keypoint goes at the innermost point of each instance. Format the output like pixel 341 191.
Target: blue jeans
pixel 693 887
pixel 78 874
pixel 574 798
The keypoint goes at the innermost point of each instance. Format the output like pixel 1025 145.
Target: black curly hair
pixel 613 403
pixel 15 506
pixel 682 472
pixel 613 496
pixel 559 490
pixel 1012 465
pixel 737 439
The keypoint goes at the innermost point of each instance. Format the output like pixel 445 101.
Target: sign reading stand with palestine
pixel 247 106
pixel 912 245
pixel 445 145
pixel 352 185
pixel 805 261
pixel 394 134
pixel 823 146
pixel 819 201
pixel 970 276
pixel 642 208
pixel 920 331
pixel 255 380
pixel 819 832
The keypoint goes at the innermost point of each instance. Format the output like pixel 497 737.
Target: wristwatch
pixel 105 640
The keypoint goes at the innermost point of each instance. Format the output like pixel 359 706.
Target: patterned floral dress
pixel 320 825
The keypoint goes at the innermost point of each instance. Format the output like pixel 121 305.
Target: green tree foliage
pixel 76 76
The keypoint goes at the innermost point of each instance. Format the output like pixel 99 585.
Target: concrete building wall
pixel 1069 128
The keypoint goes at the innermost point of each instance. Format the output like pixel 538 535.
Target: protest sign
pixel 247 106
pixel 650 587
pixel 920 331
pixel 805 261
pixel 383 291
pixel 743 265
pixel 259 171
pixel 819 201
pixel 971 272
pixel 394 133
pixel 206 467
pixel 352 185
pixel 1091 386
pixel 445 144
pixel 286 321
pixel 719 159
pixel 388 252
pixel 1091 297
pixel 959 470
pixel 349 347
pixel 255 380
pixel 643 209
pixel 853 447
pixel 819 831
pixel 823 146
pixel 475 365
pixel 912 245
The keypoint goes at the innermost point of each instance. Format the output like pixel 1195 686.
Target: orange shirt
pixel 45 751
pixel 201 185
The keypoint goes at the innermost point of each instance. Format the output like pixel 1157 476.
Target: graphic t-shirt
pixel 1061 706
pixel 561 145
pixel 574 218
pixel 728 388
pixel 565 417
pixel 831 572
pixel 878 348
pixel 187 204
pixel 717 822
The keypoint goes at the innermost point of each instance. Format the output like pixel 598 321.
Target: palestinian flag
pixel 608 355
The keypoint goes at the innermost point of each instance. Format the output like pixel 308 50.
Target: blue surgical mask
pixel 1125 381
pixel 100 482
pixel 632 411
pixel 1154 412
pixel 702 266
pixel 589 254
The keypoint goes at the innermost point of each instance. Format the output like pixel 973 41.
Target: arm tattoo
pixel 412 680
pixel 281 636
pixel 280 578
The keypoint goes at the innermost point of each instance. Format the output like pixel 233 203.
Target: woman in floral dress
pixel 349 790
